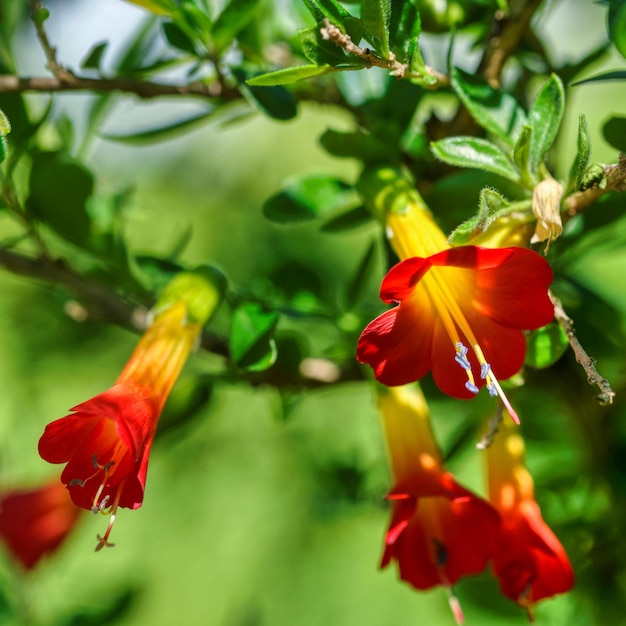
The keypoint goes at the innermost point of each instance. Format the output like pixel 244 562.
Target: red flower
pixel 35 522
pixel 532 563
pixel 466 304
pixel 439 530
pixel 106 441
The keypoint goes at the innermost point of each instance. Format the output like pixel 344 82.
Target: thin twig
pixel 49 50
pixel 330 32
pixel 606 395
pixel 494 425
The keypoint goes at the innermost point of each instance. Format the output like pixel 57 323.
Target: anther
pixel 470 386
pixel 485 368
pixel 491 388
pixel 460 348
pixel 441 554
pixel 76 482
pixel 461 359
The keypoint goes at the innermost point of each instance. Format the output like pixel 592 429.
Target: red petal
pixel 511 284
pixel 402 278
pixel 63 437
pixel 392 346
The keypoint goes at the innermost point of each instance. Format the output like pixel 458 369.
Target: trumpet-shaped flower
pixel 106 441
pixel 531 564
pixel 461 310
pixel 439 530
pixel 35 522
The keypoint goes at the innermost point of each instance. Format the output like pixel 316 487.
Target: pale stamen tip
pixel 470 386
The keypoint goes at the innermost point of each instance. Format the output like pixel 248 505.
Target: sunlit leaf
pixel 496 111
pixel 289 75
pixel 235 16
pixel 475 153
pixel 581 159
pixel 545 346
pixel 375 17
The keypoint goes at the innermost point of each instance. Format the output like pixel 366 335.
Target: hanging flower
pixel 106 441
pixel 35 522
pixel 531 564
pixel 461 310
pixel 439 530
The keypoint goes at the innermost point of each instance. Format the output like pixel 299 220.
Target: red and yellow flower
pixel 461 311
pixel 439 530
pixel 531 563
pixel 35 522
pixel 106 441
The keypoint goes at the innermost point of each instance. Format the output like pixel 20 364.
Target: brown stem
pixel 606 395
pixel 330 32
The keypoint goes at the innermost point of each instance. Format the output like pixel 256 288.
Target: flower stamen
pixel 493 386
pixel 104 540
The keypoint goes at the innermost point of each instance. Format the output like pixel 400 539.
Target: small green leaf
pixel 3 148
pixel 94 58
pixel 490 203
pixel 159 133
pixel 581 160
pixel 375 18
pixel 308 198
pixel 235 16
pixel 474 153
pixel 614 131
pixel 545 118
pixel 59 189
pixel 178 38
pixel 41 15
pixel 354 218
pixel 594 175
pixel 276 101
pixel 496 111
pixel 359 145
pixel 613 75
pixel 545 346
pixel 252 346
pixel 289 75
pixel 521 153
pixel 5 124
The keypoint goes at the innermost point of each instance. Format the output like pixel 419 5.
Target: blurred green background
pixel 266 506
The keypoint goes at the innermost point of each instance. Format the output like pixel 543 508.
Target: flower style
pixel 106 441
pixel 439 530
pixel 531 564
pixel 35 522
pixel 467 304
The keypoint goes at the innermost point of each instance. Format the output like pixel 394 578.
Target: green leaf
pixel 521 153
pixel 289 75
pixel 490 203
pixel 545 346
pixel 94 58
pixel 359 145
pixel 59 189
pixel 613 75
pixel 375 18
pixel 252 346
pixel 178 38
pixel 617 25
pixel 581 160
pixel 41 15
pixel 235 16
pixel 545 118
pixel 308 198
pixel 4 148
pixel 159 133
pixel 354 218
pixel 475 153
pixel 276 101
pixel 496 111
pixel 5 124
pixel 614 131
